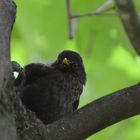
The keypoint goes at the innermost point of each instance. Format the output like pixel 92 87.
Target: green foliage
pixel 41 32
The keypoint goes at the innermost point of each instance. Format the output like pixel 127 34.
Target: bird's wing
pixel 33 71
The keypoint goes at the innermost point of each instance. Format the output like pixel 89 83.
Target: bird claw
pixel 17 68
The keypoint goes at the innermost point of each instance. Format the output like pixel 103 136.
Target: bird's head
pixel 72 63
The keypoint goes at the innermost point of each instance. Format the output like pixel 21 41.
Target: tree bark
pixel 7 124
pixel 131 21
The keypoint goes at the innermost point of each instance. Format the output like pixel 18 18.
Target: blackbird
pixel 53 91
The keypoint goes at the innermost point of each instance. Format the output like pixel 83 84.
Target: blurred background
pixel 41 32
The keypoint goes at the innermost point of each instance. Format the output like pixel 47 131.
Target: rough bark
pixel 7 125
pixel 131 21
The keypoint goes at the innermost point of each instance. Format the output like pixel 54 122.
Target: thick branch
pixel 130 21
pixel 97 115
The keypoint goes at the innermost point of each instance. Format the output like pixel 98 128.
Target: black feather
pixel 54 91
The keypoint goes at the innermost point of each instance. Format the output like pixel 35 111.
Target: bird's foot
pixel 17 68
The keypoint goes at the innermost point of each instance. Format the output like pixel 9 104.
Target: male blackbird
pixel 52 91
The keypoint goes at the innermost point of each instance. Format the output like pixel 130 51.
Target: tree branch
pixel 102 10
pixel 70 27
pixel 93 14
pixel 73 18
pixel 97 115
pixel 130 21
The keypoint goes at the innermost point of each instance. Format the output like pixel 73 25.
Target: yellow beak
pixel 65 61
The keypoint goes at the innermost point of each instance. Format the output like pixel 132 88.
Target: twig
pixel 72 18
pixel 69 19
pixel 104 6
pixel 93 14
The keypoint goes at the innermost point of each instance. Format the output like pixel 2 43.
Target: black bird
pixel 53 91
